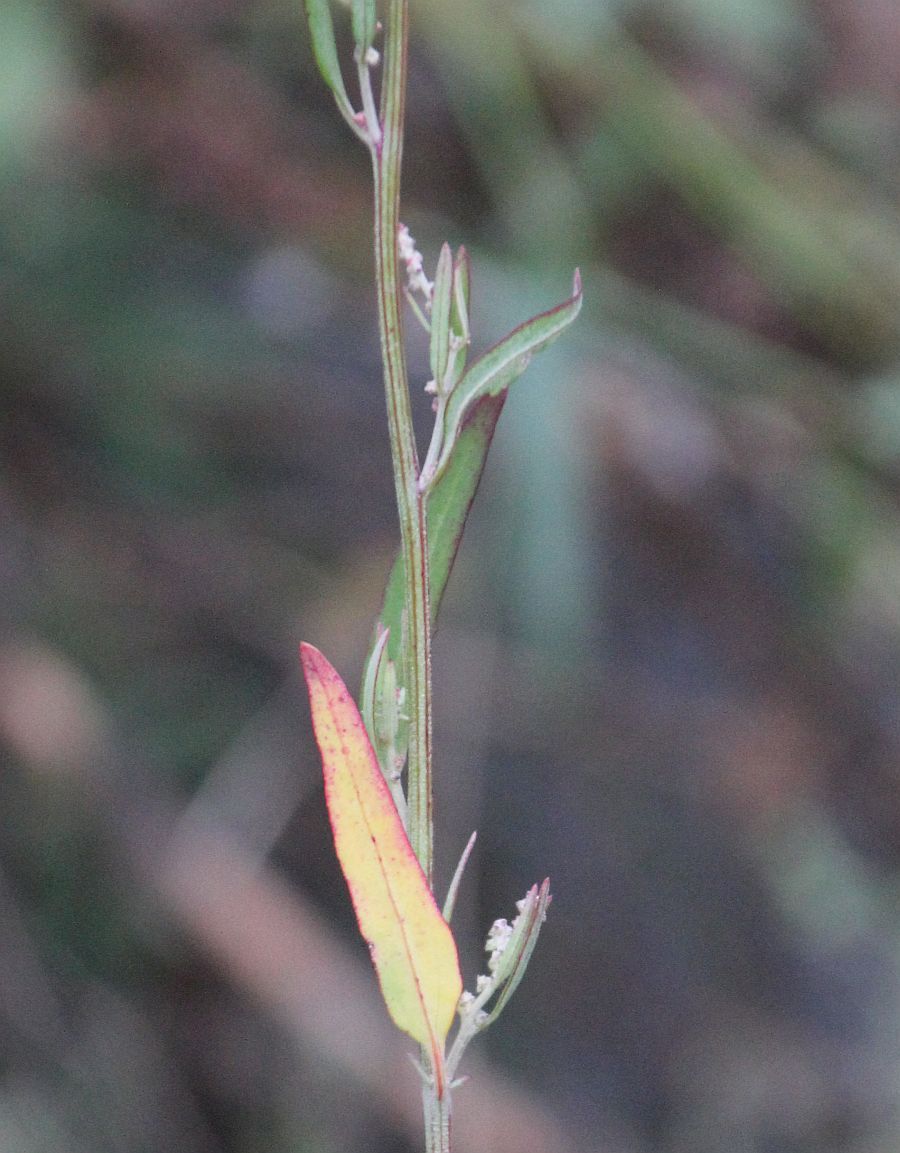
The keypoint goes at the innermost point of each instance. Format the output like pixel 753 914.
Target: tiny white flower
pixel 498 935
pixel 373 57
pixel 416 280
pixel 497 940
pixel 481 982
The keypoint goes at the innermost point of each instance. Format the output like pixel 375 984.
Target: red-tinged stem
pixel 387 156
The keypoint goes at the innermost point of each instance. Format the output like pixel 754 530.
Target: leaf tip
pixel 311 660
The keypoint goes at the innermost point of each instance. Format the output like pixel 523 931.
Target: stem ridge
pixel 387 159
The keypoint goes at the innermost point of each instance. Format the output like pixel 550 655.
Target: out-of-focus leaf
pixel 321 30
pixel 412 947
pixel 34 74
pixel 364 22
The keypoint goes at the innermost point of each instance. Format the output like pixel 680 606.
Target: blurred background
pixel 667 668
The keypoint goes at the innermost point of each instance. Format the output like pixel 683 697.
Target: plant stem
pixel 387 157
pixel 437 1120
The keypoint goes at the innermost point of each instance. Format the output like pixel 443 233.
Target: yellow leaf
pixel 412 947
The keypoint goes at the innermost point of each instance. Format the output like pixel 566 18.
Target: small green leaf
pixel 462 283
pixel 387 710
pixel 380 710
pixel 493 373
pixel 449 501
pixel 364 22
pixel 369 696
pixel 453 891
pixel 321 30
pixel 453 489
pixel 459 315
pixel 441 304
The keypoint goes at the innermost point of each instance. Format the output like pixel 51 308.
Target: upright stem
pixel 437 1120
pixel 387 157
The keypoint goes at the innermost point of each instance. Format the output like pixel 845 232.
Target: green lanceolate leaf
pixel 321 30
pixel 462 282
pixel 459 314
pixel 449 501
pixel 370 682
pixel 453 891
pixel 364 22
pixel 379 705
pixel 494 371
pixel 441 304
pixel 476 404
pixel 370 696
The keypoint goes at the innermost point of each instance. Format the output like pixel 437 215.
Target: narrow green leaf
pixel 462 282
pixel 451 493
pixel 441 303
pixel 453 891
pixel 387 712
pixel 496 370
pixel 459 321
pixel 370 682
pixel 449 501
pixel 380 709
pixel 363 22
pixel 321 30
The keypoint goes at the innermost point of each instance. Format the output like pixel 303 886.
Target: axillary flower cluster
pixel 509 948
pixel 416 280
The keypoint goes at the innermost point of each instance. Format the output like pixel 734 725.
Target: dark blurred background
pixel 667 669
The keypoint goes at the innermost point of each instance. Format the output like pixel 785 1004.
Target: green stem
pixel 387 157
pixel 437 1120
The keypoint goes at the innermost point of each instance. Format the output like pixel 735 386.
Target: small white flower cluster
pixel 416 280
pixel 467 1001
pixel 497 940
pixel 486 984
